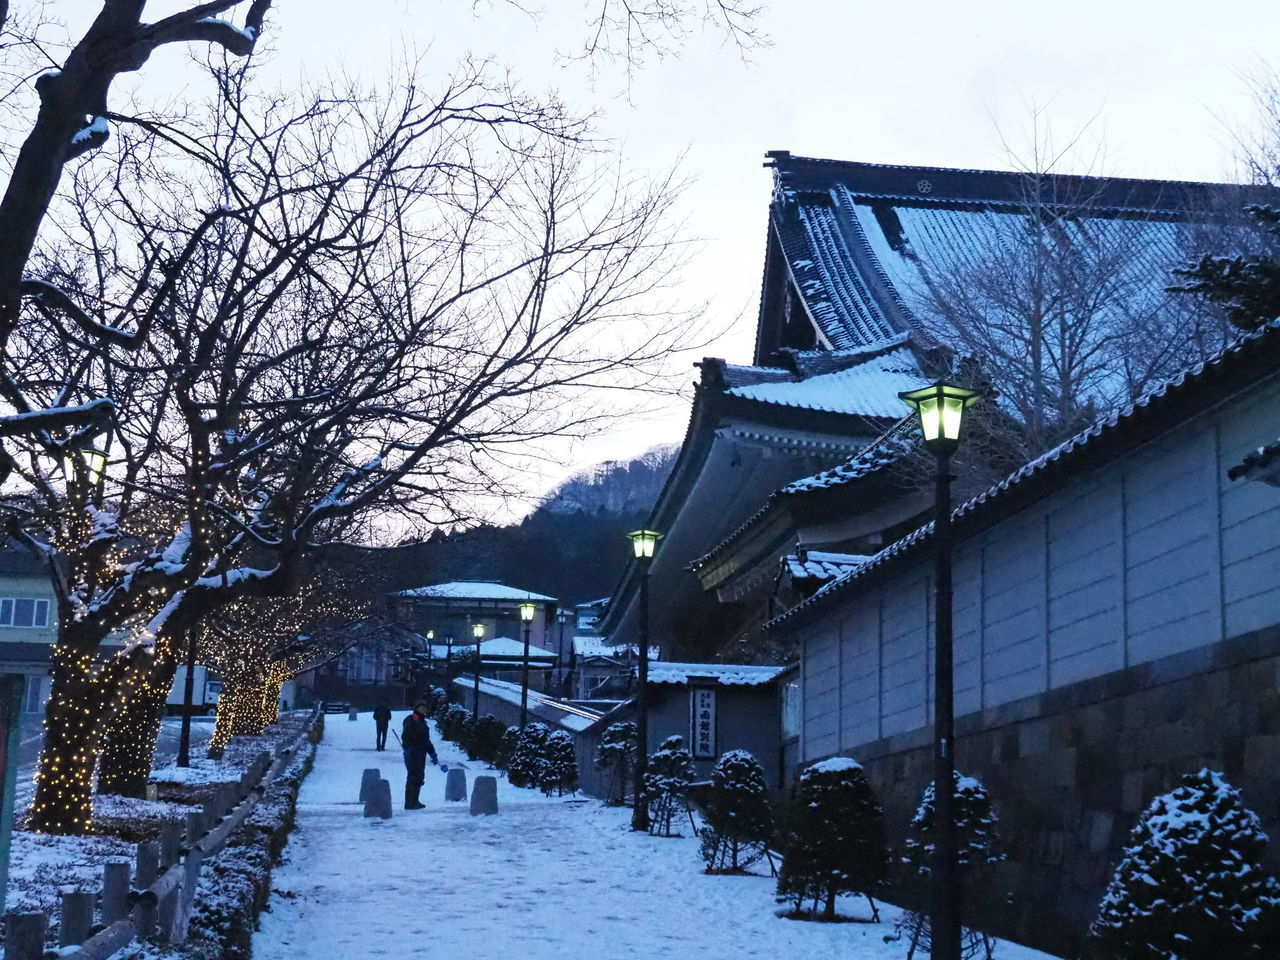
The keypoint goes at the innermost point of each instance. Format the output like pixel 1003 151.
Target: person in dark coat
pixel 382 718
pixel 415 737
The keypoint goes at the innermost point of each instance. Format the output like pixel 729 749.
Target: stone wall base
pixel 1069 772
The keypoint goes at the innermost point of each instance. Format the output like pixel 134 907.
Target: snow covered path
pixel 543 880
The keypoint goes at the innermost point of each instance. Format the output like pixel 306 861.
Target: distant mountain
pixel 572 547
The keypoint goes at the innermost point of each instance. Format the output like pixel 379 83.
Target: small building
pixel 715 707
pixel 28 623
pixel 448 611
pixel 587 615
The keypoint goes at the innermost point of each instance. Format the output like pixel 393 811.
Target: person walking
pixel 382 718
pixel 415 737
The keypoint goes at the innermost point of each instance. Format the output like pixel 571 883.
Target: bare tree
pixel 378 302
pixel 1063 303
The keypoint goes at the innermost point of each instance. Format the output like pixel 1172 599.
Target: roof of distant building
pixel 1258 464
pixel 869 388
pixel 585 646
pixel 474 590
pixel 730 674
pixel 19 561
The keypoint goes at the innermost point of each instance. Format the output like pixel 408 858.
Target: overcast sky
pixel 942 82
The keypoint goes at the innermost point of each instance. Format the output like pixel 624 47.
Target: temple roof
pixel 863 241
pixel 821 564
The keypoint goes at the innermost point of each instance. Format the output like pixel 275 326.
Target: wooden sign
pixel 702 722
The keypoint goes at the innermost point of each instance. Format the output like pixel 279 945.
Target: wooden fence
pixel 154 899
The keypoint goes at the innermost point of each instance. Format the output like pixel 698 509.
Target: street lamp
pixel 563 616
pixel 941 408
pixel 89 462
pixel 643 545
pixel 477 634
pixel 527 610
pixel 431 667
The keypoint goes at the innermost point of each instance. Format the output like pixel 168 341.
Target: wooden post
pixel 76 919
pixel 115 891
pixel 195 827
pixel 145 874
pixel 187 895
pixel 170 843
pixel 24 935
pixel 167 915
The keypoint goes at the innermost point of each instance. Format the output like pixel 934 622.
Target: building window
pixel 23 612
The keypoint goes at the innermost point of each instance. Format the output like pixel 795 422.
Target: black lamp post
pixel 527 610
pixel 431 666
pixel 477 634
pixel 941 408
pixel 188 691
pixel 643 544
pixel 563 616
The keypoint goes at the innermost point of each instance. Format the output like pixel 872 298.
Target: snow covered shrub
pixel 560 765
pixel 977 845
pixel 507 747
pixel 439 712
pixel 433 697
pixel 486 736
pixel 666 784
pixel 1190 885
pixel 616 753
pixel 835 839
pixel 739 823
pixel 525 768
pixel 454 725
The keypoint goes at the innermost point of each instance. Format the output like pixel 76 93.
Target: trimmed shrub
pixel 835 840
pixel 560 765
pixel 617 754
pixel 1190 885
pixel 977 845
pixel 507 744
pixel 525 768
pixel 739 822
pixel 666 785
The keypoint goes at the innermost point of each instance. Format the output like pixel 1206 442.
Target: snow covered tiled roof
pixel 474 590
pixel 510 647
pixel 869 389
pixel 1161 395
pixel 730 674
pixel 820 565
pixel 601 647
pixel 886 449
pixel 863 240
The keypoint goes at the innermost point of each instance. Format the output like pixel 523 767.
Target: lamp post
pixel 562 617
pixel 89 462
pixel 477 634
pixel 188 690
pixel 941 408
pixel 643 544
pixel 527 610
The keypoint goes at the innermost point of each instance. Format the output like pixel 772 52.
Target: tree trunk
pixel 63 801
pixel 829 911
pixel 242 709
pixel 129 741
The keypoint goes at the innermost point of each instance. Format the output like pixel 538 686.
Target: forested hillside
pixel 572 547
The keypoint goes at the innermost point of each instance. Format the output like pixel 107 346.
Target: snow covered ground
pixel 546 879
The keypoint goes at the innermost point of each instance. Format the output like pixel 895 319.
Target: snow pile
pixel 834 765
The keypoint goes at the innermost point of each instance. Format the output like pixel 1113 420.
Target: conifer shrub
pixel 977 845
pixel 1190 885
pixel 834 842
pixel 737 817
pixel 454 725
pixel 666 785
pixel 507 747
pixel 559 772
pixel 486 737
pixel 525 767
pixel 617 754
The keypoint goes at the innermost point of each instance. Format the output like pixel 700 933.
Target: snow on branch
pixel 95 412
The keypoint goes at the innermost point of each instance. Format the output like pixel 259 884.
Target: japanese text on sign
pixel 702 723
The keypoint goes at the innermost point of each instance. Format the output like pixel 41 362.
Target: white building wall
pixel 1155 554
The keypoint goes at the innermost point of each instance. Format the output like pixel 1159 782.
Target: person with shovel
pixel 415 739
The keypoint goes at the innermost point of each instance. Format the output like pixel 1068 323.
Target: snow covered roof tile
pixel 730 674
pixel 821 565
pixel 601 647
pixel 474 590
pixel 883 451
pixel 868 389
pixel 1246 345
